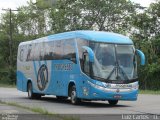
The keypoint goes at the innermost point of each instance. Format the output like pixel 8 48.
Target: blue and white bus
pixel 80 65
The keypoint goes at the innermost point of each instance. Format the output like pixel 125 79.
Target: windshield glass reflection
pixel 105 60
pixel 114 62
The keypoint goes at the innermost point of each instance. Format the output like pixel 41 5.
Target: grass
pixel 40 111
pixel 150 92
pixel 7 85
pixel 35 109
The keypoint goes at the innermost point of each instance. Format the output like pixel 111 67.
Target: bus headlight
pixel 135 86
pixel 97 85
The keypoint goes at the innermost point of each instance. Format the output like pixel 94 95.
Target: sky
pixel 144 3
pixel 13 4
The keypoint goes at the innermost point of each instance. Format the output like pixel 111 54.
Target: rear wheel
pixel 73 95
pixel 112 102
pixel 30 91
pixel 38 96
pixel 32 95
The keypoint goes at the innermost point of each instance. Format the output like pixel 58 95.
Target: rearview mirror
pixel 88 59
pixel 141 55
pixel 90 53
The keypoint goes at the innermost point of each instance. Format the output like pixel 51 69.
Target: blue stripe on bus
pixel 39 62
pixel 45 62
pixel 35 71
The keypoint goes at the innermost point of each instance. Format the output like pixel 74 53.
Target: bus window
pixel 19 49
pixel 69 50
pixel 42 50
pixel 21 54
pixel 49 51
pixel 36 51
pixel 59 50
pixel 80 43
pixel 86 64
pixel 29 52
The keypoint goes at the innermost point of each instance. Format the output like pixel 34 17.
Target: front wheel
pixel 112 102
pixel 74 99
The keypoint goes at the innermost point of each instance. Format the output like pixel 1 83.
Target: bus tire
pixel 112 102
pixel 31 95
pixel 73 95
pixel 38 96
pixel 61 97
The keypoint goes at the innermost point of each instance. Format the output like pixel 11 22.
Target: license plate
pixel 123 86
pixel 117 96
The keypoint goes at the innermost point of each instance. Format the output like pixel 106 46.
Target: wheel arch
pixel 71 83
pixel 28 81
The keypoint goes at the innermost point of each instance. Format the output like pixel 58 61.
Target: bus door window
pixel 80 43
pixel 86 63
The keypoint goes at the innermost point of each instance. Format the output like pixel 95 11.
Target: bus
pixel 80 65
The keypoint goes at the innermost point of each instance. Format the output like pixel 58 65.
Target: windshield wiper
pixel 110 74
pixel 123 72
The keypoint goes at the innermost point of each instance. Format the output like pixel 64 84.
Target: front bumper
pixel 96 94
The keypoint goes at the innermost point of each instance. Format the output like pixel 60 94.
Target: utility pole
pixel 10 36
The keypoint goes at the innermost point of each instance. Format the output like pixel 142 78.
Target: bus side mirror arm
pixel 90 53
pixel 89 65
pixel 141 55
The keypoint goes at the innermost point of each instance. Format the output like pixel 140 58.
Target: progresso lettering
pixel 64 67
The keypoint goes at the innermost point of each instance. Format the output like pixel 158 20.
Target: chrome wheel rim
pixel 73 97
pixel 29 92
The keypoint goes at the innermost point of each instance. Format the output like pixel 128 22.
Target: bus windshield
pixel 114 62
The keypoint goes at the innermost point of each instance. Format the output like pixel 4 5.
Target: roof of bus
pixel 98 36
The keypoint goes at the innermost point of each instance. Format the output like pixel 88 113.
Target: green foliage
pixel 154 92
pixel 8 76
pixel 149 77
pixel 147 38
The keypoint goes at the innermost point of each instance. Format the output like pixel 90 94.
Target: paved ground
pixel 8 112
pixel 146 104
pixel 7 109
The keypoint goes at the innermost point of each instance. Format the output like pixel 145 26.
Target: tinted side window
pixel 58 50
pixel 29 52
pixel 36 51
pixel 53 50
pixel 49 50
pixel 69 50
pixel 41 48
pixel 21 54
pixel 80 43
pixel 19 49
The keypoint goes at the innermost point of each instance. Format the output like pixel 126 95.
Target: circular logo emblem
pixel 117 90
pixel 42 78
